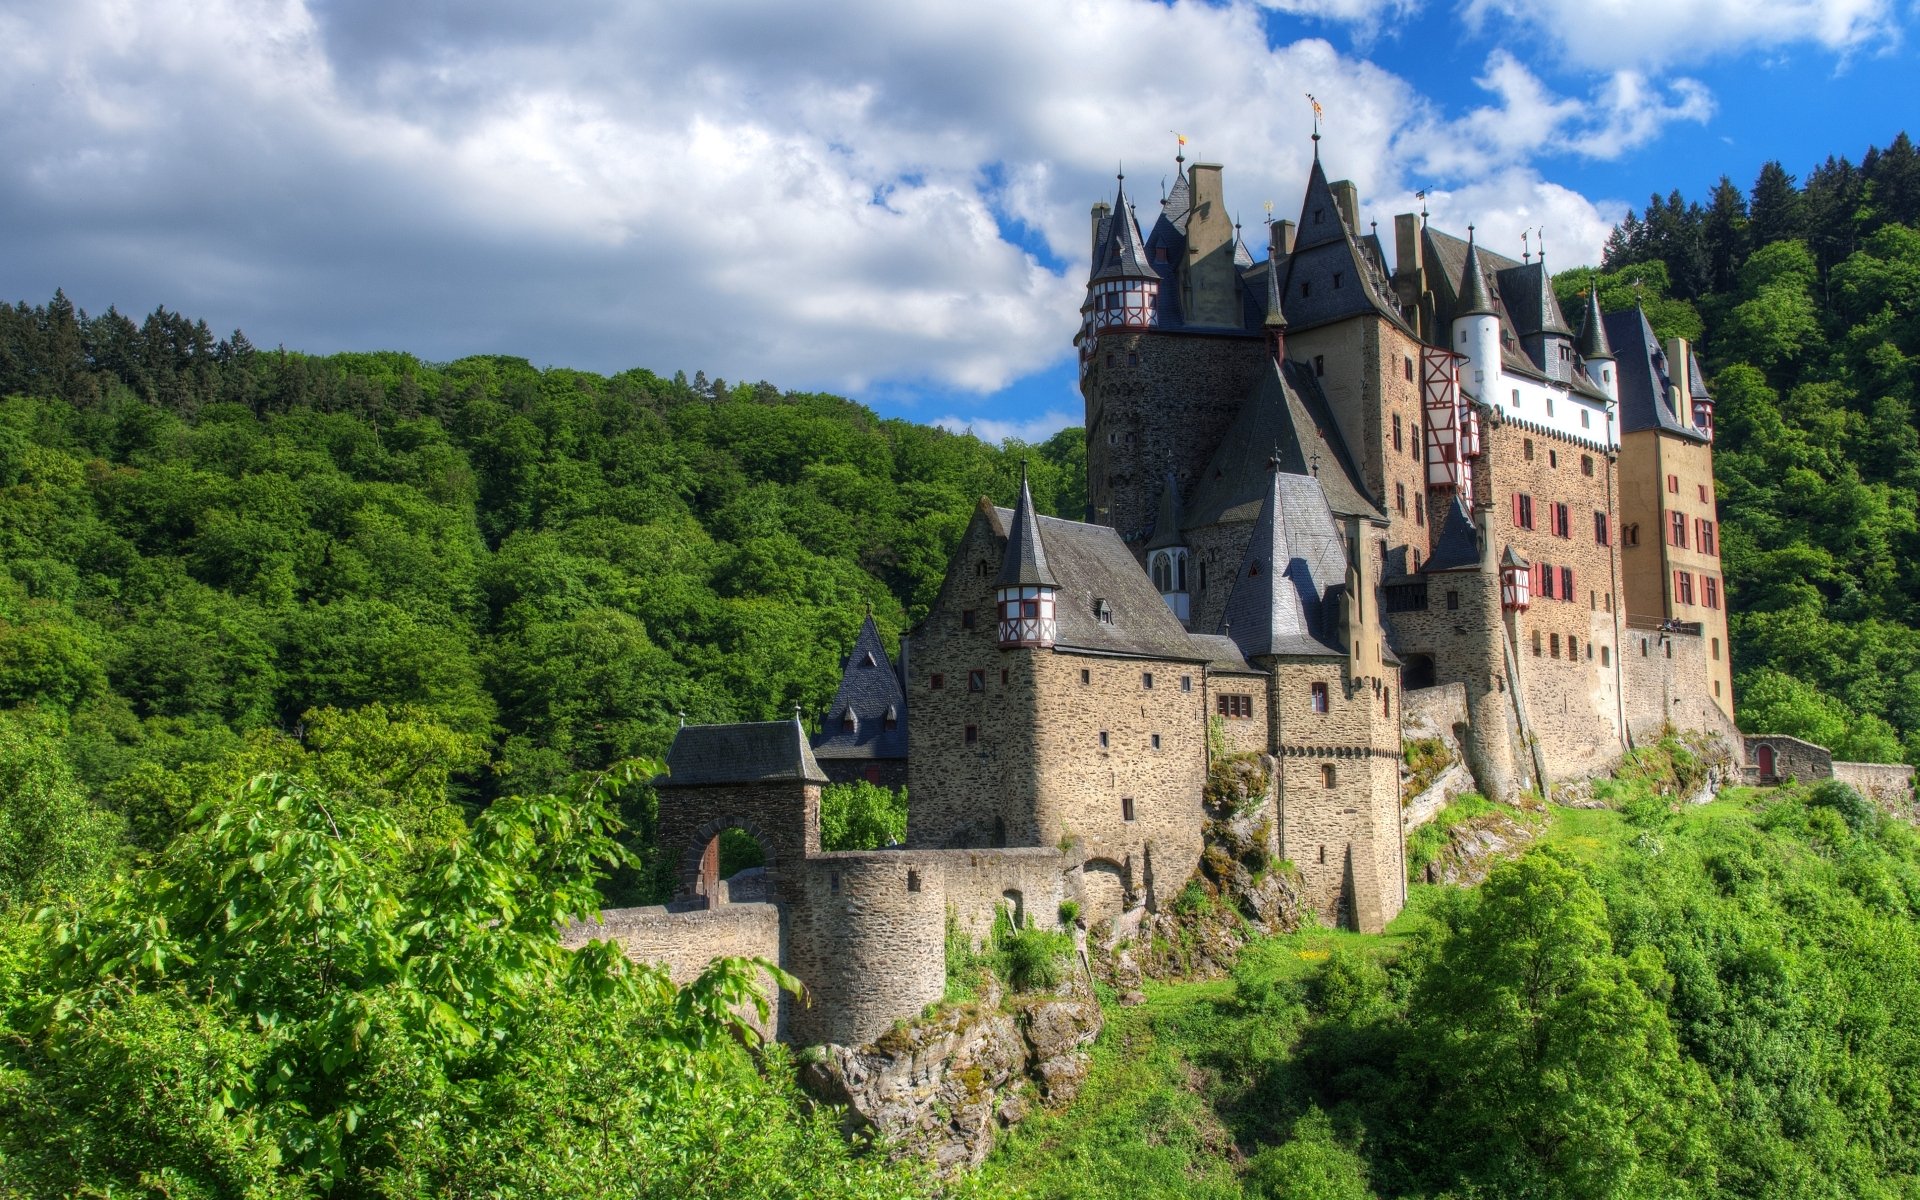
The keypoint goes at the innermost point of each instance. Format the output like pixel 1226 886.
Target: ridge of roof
pixel 742 752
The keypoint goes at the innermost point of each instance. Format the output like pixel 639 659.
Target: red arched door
pixel 1766 762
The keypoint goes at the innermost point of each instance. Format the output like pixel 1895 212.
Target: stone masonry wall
pixel 783 817
pixel 685 943
pixel 1157 402
pixel 866 934
pixel 1566 645
pixel 1215 563
pixel 1667 675
pixel 1109 743
pixel 1889 785
pixel 1242 735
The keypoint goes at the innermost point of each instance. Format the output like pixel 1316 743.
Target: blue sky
pixel 876 197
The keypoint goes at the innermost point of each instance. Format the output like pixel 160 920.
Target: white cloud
pixel 1641 34
pixel 1035 429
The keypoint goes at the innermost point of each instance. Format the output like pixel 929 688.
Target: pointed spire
pixel 1593 344
pixel 1457 548
pixel 1025 564
pixel 1475 300
pixel 1166 525
pixel 1276 312
pixel 1124 256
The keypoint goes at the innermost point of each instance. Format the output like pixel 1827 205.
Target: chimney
pixel 1679 379
pixel 1347 198
pixel 1284 237
pixel 1100 211
pixel 1211 281
pixel 1409 263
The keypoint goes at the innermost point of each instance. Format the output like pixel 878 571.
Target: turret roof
pixel 1593 344
pixel 1641 367
pixel 1527 292
pixel 1330 274
pixel 1025 563
pixel 1166 524
pixel 871 689
pixel 1124 256
pixel 1474 298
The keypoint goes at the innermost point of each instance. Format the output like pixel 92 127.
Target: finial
pixel 1180 146
pixel 683 718
pixel 1120 172
pixel 1541 239
pixel 796 714
pixel 1268 205
pixel 1314 464
pixel 1273 460
pixel 1469 233
pixel 1316 125
pixel 869 610
pixel 1526 255
pixel 1375 226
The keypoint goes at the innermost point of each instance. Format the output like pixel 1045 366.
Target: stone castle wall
pixel 1668 675
pixel 1159 402
pixel 1889 785
pixel 1463 631
pixel 687 942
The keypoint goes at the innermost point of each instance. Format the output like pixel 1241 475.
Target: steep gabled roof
pixel 1179 202
pixel 1123 254
pixel 1287 415
pixel 1025 563
pixel 748 752
pixel 1640 365
pixel 1166 524
pixel 1458 546
pixel 1473 297
pixel 1528 293
pixel 871 689
pixel 1286 593
pixel 1091 563
pixel 1328 275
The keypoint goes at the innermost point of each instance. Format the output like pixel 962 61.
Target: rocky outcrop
pixel 1475 845
pixel 940 1089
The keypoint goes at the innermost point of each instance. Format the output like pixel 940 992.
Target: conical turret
pixel 1124 291
pixel 1596 352
pixel 1476 326
pixel 1025 588
pixel 1475 299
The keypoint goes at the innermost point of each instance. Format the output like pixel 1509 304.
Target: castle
pixel 1321 490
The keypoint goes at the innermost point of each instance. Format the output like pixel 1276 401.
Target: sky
pixel 882 198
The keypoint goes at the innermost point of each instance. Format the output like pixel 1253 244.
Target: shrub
pixel 1853 808
pixel 1069 912
pixel 1035 959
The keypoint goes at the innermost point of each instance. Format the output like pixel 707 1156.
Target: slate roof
pixel 1223 656
pixel 1166 524
pixel 1593 344
pixel 1527 291
pixel 1472 296
pixel 1122 255
pixel 1446 259
pixel 1641 369
pixel 870 687
pixel 1025 562
pixel 1326 252
pixel 1090 563
pixel 1458 546
pixel 1287 414
pixel 748 752
pixel 1287 591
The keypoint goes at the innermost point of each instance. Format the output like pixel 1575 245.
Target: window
pixel 1566 583
pixel 936 682
pixel 1320 697
pixel 1543 578
pixel 973 734
pixel 848 722
pixel 1551 453
pixel 892 719
pixel 1453 600
pixel 1710 588
pixel 1103 739
pixel 1400 498
pixel 1606 656
pixel 980 568
pixel 1133 360
pixel 1553 456
pixel 1553 640
pixel 1102 611
pixel 977 680
pixel 1673 484
pixel 1109 360
pixel 1586 462
pixel 966 618
pixel 1704 534
pixel 1319 364
pixel 1516 404
pixel 1586 419
pixel 1415 448
pixel 1336 279
pixel 1327 777
pixel 1536 643
pixel 1683 586
pixel 913 881
pixel 1156 741
pixel 1562 521
pixel 1677 530
pixel 1573 647
pixel 1523 510
pixel 1599 527
pixel 1716 649
pixel 1146 680
pixel 1234 706
pixel 1306 288
pixel 1407 366
pixel 1396 432
pixel 1003 677
pixel 1419 512
pixel 1126 808
pixel 1630 535
pixel 1526 449
pixel 1086 677
pixel 1386 702
pixel 1703 493
pixel 1186 683
pixel 833 882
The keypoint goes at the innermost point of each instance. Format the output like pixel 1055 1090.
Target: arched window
pixel 1162 571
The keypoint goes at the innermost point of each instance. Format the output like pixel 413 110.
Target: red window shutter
pixel 1516 509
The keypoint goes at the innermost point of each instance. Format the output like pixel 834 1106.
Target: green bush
pixel 1069 912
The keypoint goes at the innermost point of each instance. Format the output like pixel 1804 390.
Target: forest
pixel 328 682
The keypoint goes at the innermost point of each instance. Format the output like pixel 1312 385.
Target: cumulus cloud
pixel 1642 34
pixel 868 196
pixel 1034 429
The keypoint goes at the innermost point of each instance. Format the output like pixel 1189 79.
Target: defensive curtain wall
pixel 865 932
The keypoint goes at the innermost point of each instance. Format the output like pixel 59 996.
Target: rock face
pixel 1474 846
pixel 941 1089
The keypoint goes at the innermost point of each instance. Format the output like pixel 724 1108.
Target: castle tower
pixel 1476 326
pixel 1596 352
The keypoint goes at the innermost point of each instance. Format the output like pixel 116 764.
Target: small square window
pixel 936 682
pixel 973 734
pixel 977 680
pixel 1146 680
pixel 913 881
pixel 1328 776
pixel 1186 683
pixel 1086 677
pixel 1156 741
pixel 1126 808
pixel 1103 739
pixel 966 618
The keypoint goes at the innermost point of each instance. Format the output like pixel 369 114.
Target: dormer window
pixel 892 719
pixel 1102 611
pixel 1336 279
pixel 848 722
pixel 867 660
